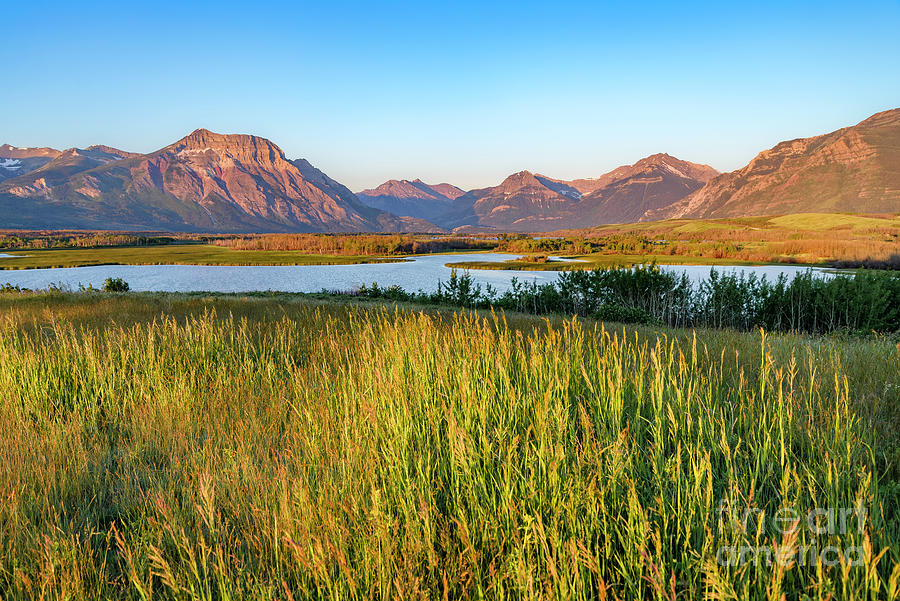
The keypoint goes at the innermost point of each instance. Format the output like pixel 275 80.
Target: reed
pixel 173 447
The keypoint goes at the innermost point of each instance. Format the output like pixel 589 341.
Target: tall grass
pixel 156 447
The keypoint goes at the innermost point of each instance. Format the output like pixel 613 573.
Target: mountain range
pixel 530 202
pixel 203 182
pixel 209 182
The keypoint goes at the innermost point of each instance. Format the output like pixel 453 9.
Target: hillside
pixel 854 169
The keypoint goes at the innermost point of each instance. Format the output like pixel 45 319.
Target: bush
pixel 115 285
pixel 394 293
pixel 864 301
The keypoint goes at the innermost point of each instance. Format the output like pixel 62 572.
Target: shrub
pixel 394 292
pixel 115 285
pixel 863 301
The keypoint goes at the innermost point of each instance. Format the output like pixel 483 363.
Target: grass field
pixel 810 238
pixel 798 221
pixel 191 447
pixel 171 254
pixel 823 239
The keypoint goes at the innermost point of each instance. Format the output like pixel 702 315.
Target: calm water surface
pixel 419 273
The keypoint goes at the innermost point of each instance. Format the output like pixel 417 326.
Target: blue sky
pixel 462 92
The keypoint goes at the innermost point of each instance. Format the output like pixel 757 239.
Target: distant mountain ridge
pixel 530 202
pixel 527 201
pixel 412 198
pixel 14 152
pixel 203 182
pixel 15 161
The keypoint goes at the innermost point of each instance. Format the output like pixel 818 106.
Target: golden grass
pixel 165 446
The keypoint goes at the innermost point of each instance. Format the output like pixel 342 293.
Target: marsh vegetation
pixel 862 301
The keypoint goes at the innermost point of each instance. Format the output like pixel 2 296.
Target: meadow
pixel 286 447
pixel 826 239
pixel 823 239
pixel 37 250
pixel 811 238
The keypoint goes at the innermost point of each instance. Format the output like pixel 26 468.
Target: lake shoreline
pixel 416 273
pixel 175 254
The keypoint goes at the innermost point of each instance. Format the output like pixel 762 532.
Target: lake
pixel 418 273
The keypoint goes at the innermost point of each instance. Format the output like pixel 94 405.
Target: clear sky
pixel 460 92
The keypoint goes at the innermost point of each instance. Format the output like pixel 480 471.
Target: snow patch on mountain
pixel 673 170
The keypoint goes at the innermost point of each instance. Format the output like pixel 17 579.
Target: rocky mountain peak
pixel 675 166
pixel 237 146
pixel 520 179
pixel 400 188
pixel 659 157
